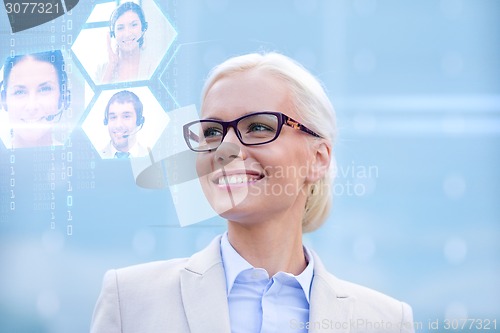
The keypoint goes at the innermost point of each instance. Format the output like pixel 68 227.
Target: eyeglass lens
pixel 253 129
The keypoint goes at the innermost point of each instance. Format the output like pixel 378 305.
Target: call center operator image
pixel 125 45
pixel 123 117
pixel 35 93
pixel 266 125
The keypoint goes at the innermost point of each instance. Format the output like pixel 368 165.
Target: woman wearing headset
pixel 35 95
pixel 125 57
pixel 264 147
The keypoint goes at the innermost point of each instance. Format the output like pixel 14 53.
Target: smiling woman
pixel 35 95
pixel 125 43
pixel 261 114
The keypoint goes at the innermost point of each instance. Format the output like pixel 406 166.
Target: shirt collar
pixel 234 264
pixel 305 278
pixel 134 150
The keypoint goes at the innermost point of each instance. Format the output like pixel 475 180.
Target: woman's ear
pixel 322 152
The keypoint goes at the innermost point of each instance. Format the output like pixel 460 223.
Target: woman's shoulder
pixel 171 268
pixel 371 297
pixel 366 302
pixel 164 271
pixel 99 72
pixel 144 280
pixel 138 296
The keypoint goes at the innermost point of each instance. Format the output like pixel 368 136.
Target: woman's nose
pixel 225 153
pixel 231 136
pixel 32 104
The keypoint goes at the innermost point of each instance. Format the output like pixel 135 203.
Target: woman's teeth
pixel 237 179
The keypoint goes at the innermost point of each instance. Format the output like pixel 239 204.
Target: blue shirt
pixel 260 304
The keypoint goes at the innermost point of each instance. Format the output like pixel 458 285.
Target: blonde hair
pixel 310 102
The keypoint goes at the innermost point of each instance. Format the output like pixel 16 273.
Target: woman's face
pixel 32 97
pixel 128 31
pixel 262 181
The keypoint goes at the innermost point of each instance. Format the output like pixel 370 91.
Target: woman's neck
pixel 129 65
pixel 19 142
pixel 273 245
pixel 130 56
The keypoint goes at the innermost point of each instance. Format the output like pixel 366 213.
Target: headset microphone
pixel 133 132
pixel 141 39
pixel 51 117
pixel 60 110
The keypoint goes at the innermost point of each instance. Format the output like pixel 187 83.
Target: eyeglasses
pixel 252 129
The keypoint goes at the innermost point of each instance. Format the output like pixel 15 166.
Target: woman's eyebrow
pixel 48 83
pixel 17 86
pixel 212 118
pixel 220 119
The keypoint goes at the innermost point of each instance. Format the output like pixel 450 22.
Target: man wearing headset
pixel 123 117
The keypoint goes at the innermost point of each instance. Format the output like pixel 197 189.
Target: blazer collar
pixel 331 307
pixel 204 295
pixel 203 289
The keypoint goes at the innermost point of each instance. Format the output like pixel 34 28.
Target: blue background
pixel 415 85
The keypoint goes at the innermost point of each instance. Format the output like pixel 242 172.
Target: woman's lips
pixel 32 120
pixel 236 177
pixel 129 41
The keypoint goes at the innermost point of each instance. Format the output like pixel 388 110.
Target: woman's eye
pixel 256 127
pixel 45 89
pixel 19 92
pixel 211 132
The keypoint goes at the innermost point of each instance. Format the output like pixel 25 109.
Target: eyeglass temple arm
pixel 296 125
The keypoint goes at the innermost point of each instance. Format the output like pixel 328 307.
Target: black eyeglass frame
pixel 282 120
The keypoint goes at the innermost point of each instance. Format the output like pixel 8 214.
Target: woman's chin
pixel 224 200
pixel 32 139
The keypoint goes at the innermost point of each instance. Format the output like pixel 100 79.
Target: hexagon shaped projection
pixel 145 134
pixel 60 122
pixel 180 75
pixel 94 47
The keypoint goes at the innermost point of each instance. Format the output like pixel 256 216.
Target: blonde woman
pixel 264 145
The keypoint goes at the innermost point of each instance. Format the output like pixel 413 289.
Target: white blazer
pixel 189 295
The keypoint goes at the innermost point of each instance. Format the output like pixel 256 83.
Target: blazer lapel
pixel 331 308
pixel 203 289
